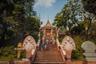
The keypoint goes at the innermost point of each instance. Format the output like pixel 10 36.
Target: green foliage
pixel 80 23
pixel 89 5
pixel 17 17
pixel 7 53
pixel 32 26
pixel 77 55
pixel 70 15
pixel 78 41
pixel 77 30
pixel 6 6
pixel 75 19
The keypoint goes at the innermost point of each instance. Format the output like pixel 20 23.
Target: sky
pixel 47 9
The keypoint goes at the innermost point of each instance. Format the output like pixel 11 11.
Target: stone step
pixel 52 55
pixel 48 63
pixel 90 59
pixel 90 54
pixel 4 62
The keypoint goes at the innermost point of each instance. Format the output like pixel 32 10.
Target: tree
pixel 17 16
pixel 6 8
pixel 90 6
pixel 70 15
pixel 33 25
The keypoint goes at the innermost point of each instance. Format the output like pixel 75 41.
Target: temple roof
pixel 48 25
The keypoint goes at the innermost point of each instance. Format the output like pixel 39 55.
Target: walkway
pixel 50 56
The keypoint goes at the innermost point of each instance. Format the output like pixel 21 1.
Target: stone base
pixel 77 62
pixel 23 61
pixel 28 62
pixel 89 62
pixel 83 62
pixel 15 62
pixel 4 62
pixel 90 59
pixel 90 56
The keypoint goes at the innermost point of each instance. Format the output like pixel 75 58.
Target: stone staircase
pixel 50 56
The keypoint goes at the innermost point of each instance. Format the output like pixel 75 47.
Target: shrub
pixel 77 55
pixel 7 53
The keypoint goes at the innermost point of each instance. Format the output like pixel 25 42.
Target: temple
pixel 48 32
pixel 48 49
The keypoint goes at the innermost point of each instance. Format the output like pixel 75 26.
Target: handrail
pixel 60 49
pixel 34 55
pixel 61 52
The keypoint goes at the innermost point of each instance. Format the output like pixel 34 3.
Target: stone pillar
pixel 89 51
pixel 19 46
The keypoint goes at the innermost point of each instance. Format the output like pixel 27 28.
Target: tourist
pixel 42 44
pixel 46 44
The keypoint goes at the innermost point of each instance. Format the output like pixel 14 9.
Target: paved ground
pixel 83 62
